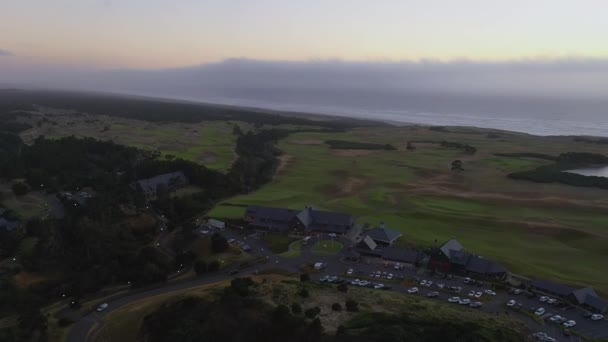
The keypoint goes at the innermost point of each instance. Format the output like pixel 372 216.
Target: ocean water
pixel 533 115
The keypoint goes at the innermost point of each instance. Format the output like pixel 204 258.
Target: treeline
pixel 460 146
pixel 527 155
pixel 257 159
pixel 355 145
pixel 555 173
pixel 163 111
pixel 600 141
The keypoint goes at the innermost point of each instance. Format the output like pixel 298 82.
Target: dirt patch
pixel 208 157
pixel 308 142
pixel 349 186
pixel 284 161
pixel 352 153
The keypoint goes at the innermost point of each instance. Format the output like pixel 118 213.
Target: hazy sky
pixel 173 33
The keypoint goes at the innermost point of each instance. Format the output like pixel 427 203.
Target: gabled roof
pixel 150 184
pixel 481 265
pixel 581 294
pixel 552 287
pixel 271 218
pixel 596 303
pixel 451 245
pixel 459 257
pixel 401 255
pixel 369 243
pixel 305 216
pixel 383 235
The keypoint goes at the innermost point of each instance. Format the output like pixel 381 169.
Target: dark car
pixel 530 294
pixel 233 272
pixel 432 294
pixel 450 276
pixel 587 314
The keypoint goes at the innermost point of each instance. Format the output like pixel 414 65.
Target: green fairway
pixel 538 230
pixel 295 250
pixel 326 247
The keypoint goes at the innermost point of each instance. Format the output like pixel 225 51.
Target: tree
pixel 343 288
pixel 219 243
pixel 200 266
pixel 312 312
pixel 304 293
pixel 296 308
pixel 20 189
pixel 213 266
pixel 304 277
pixel 457 165
pixel 336 307
pixel 352 305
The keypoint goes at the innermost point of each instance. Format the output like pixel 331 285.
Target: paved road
pixel 92 323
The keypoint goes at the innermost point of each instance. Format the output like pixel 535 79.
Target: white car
pixel 102 307
pixel 569 324
pixel 397 266
pixel 478 294
pixel 454 300
pixel 378 286
pixel 464 301
pixel 355 282
pixel 555 318
pixel 467 280
pixel 472 294
pixel 551 301
pixel 517 291
pixel 363 283
pixel 429 283
pixel 440 286
pixel 543 299
pixel 389 276
pixel 597 317
pixel 423 282
pixel 350 271
pixel 326 278
pixel 511 303
pixel 412 290
pixel 332 235
pixel 490 292
pixel 539 312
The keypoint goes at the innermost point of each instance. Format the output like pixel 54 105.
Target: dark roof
pixel 369 243
pixel 352 254
pixel 451 245
pixel 271 218
pixel 150 184
pixel 482 265
pixel 326 221
pixel 305 216
pixel 596 302
pixel 581 294
pixel 383 235
pixel 459 257
pixel 552 287
pixel 2 211
pixel 401 255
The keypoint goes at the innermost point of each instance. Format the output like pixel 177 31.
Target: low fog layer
pixel 570 93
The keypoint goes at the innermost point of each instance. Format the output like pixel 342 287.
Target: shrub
pixel 352 305
pixel 304 293
pixel 200 266
pixel 213 266
pixel 296 308
pixel 312 312
pixel 336 307
pixel 304 277
pixel 20 189
pixel 342 288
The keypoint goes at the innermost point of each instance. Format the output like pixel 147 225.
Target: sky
pixel 157 34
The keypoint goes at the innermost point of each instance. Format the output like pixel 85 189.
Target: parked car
pixel 517 292
pixel 478 295
pixel 539 312
pixel 551 301
pixel 378 286
pixel 429 283
pixel 597 317
pixel 472 294
pixel 464 301
pixel 102 307
pixel 440 285
pixel 454 299
pixel 511 303
pixel 543 299
pixel 476 304
pixel 325 278
pixel 569 324
pixel 555 318
pixel 397 266
pixel 350 271
pixel 413 290
pixel 479 283
pixel 490 292
pixel 389 276
pixel 432 294
pixel 355 282
pixel 423 282
pixel 246 248
pixel 364 283
pixel 530 294
pixel 450 276
pixel 467 280
pixel 231 240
